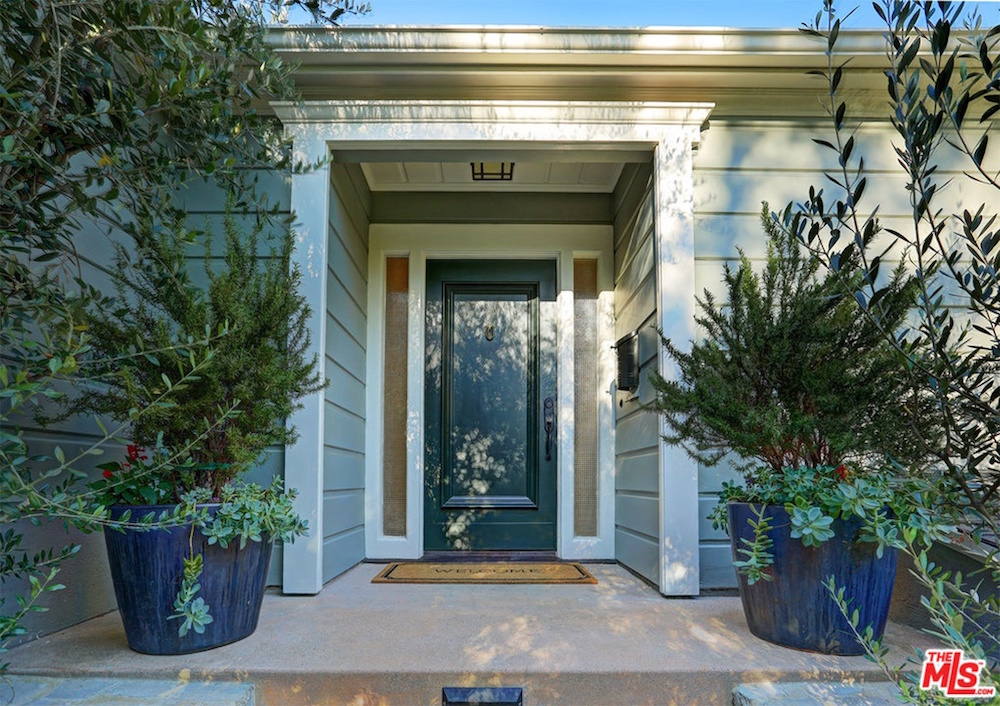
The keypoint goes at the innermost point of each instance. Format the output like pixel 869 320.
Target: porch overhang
pixel 663 133
pixel 745 72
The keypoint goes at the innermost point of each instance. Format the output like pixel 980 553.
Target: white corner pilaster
pixel 303 560
pixel 673 190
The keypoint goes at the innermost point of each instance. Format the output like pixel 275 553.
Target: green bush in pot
pixel 791 381
pixel 257 370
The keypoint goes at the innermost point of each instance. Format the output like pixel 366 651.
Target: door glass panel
pixel 491 341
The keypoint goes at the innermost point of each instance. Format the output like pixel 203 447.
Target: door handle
pixel 548 415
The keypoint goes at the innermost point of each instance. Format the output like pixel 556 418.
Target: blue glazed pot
pixel 147 568
pixel 795 609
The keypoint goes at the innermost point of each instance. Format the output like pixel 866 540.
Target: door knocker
pixel 491 331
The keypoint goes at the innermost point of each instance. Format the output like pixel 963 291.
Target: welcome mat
pixel 484 572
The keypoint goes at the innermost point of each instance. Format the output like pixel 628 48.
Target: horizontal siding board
pixel 343 551
pixel 637 432
pixel 633 187
pixel 639 513
pixel 343 510
pixel 345 350
pixel 343 230
pixel 350 273
pixel 706 533
pixel 640 269
pixel 649 343
pixel 638 473
pixel 709 275
pixel 359 183
pixel 207 195
pixel 78 428
pixel 711 478
pixel 732 191
pixel 635 309
pixel 638 553
pixel 625 189
pixel 342 469
pixel 44 443
pixel 350 186
pixel 270 465
pixel 717 569
pixel 347 212
pixel 343 307
pixel 753 145
pixel 637 230
pixel 718 235
pixel 344 389
pixel 646 392
pixel 343 429
pixel 88 593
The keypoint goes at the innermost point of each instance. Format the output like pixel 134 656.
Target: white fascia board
pixel 616 122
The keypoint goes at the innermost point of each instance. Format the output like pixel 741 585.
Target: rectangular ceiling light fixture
pixel 492 171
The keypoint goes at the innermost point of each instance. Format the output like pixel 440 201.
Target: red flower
pixel 135 453
pixel 841 472
pixel 108 474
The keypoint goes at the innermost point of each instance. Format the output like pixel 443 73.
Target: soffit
pixel 528 176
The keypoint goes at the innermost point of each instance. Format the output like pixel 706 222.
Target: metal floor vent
pixel 464 696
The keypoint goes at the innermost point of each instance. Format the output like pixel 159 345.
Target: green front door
pixel 490 405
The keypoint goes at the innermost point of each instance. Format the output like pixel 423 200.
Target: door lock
pixel 548 415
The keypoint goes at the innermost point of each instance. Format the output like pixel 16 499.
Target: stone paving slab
pixel 816 694
pixel 17 690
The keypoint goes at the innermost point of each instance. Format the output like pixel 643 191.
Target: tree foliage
pixel 787 373
pixel 107 106
pixel 943 95
pixel 109 109
pixel 258 365
pixel 937 75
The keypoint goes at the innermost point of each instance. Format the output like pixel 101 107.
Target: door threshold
pixel 489 556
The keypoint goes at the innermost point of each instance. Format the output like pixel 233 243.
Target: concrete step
pixel 617 642
pixel 16 690
pixel 816 694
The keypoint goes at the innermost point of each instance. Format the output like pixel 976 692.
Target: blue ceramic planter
pixel 795 609
pixel 147 568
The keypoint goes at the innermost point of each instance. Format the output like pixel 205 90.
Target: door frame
pixel 423 242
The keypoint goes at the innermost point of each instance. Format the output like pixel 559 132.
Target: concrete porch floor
pixel 617 642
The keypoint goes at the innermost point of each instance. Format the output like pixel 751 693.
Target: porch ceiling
pixel 528 176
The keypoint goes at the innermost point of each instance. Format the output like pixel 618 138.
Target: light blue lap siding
pixel 347 320
pixel 637 501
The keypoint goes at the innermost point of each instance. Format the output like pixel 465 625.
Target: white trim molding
pixel 560 243
pixel 664 131
pixel 302 569
pixel 673 191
